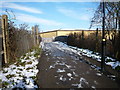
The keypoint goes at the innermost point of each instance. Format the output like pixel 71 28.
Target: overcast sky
pixel 52 15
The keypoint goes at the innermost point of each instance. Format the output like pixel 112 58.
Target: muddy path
pixel 63 69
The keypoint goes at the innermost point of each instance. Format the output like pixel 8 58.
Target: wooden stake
pixel 5 37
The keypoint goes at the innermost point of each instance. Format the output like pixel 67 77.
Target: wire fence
pixel 16 41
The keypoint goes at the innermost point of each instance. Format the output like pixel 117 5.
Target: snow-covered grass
pixel 108 60
pixel 84 52
pixel 21 74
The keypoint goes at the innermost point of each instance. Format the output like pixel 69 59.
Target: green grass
pixel 109 60
pixel 29 68
pixel 20 69
pixel 4 71
pixel 20 64
pixel 117 68
pixel 37 52
pixel 27 58
pixel 0 80
pixel 23 56
pixel 5 84
pixel 10 76
pixel 8 64
pixel 29 62
pixel 18 72
pixel 33 77
pixel 14 68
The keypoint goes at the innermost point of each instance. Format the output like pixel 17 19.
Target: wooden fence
pixel 5 40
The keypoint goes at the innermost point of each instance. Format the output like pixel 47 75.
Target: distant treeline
pixel 94 42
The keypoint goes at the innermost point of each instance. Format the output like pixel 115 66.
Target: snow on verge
pixel 21 74
pixel 79 51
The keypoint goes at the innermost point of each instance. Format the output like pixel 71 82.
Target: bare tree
pixel 111 15
pixel 112 23
pixel 23 26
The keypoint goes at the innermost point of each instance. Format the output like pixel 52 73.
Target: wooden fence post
pixel 5 38
pixel 37 35
pixel 1 46
pixel 33 33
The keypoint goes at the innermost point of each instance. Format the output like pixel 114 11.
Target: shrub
pixel 93 42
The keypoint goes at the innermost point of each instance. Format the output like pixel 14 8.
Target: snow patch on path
pixel 59 70
pixel 83 82
pixel 79 51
